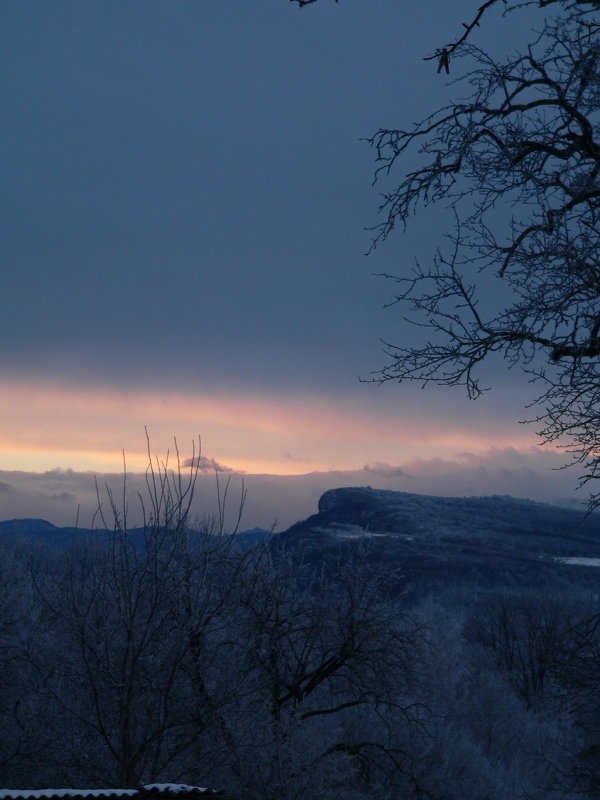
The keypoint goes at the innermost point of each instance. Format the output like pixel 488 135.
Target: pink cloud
pixel 56 495
pixel 43 425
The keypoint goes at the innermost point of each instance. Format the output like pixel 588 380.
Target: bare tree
pixel 24 737
pixel 327 659
pixel 479 11
pixel 136 619
pixel 526 633
pixel 166 651
pixel 519 163
pixel 578 673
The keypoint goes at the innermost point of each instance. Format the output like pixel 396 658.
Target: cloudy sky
pixel 184 201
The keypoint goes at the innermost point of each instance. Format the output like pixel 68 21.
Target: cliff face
pixel 358 505
pixel 453 542
pixel 378 510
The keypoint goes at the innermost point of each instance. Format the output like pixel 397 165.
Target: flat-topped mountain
pixel 443 542
pixel 382 511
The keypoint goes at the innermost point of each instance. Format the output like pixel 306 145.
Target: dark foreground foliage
pixel 175 654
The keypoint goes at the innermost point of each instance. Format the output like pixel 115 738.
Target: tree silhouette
pixel 519 162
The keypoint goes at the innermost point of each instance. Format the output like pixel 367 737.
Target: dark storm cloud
pixel 183 199
pixel 200 164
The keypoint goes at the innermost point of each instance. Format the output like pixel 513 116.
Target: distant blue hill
pixel 40 531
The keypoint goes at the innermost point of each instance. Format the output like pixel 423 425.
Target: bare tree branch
pixel 519 162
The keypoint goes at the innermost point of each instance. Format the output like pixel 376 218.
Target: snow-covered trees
pixel 171 651
pixel 155 649
pixel 191 658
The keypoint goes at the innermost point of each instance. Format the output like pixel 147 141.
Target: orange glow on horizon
pixel 45 426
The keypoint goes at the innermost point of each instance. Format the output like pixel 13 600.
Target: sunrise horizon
pixel 164 274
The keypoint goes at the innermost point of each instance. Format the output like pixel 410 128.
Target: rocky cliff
pixel 453 542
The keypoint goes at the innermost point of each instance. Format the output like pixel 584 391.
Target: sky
pixel 185 201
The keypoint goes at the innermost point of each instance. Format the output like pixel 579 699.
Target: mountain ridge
pixel 434 543
pixel 441 543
